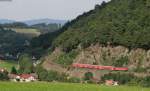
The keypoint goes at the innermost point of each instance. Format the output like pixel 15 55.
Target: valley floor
pixel 44 86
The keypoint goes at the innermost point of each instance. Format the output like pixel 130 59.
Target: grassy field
pixel 43 86
pixel 27 31
pixel 7 64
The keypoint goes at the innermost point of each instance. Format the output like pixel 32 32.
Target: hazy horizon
pixel 21 10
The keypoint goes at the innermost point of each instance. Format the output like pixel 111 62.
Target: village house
pixel 27 78
pixel 22 77
pixel 14 77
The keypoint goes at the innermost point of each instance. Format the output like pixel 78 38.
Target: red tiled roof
pixel 25 76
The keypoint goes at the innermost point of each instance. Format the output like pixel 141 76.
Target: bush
pixel 88 76
pixel 25 64
pixel 146 81
pixel 52 76
pixel 62 77
pixel 66 58
pixel 42 73
pixel 122 78
pixel 4 76
pixel 121 62
pixel 14 70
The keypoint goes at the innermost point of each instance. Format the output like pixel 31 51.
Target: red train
pixel 98 67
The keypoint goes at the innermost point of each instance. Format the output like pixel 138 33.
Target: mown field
pixel 43 86
pixel 7 64
pixel 31 31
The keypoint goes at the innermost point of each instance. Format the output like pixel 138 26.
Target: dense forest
pixel 11 43
pixel 39 45
pixel 118 22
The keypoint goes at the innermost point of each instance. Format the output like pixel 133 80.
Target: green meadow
pixel 34 32
pixel 44 86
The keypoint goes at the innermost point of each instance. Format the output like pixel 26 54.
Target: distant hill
pixel 46 21
pixel 36 21
pixel 4 21
pixel 12 42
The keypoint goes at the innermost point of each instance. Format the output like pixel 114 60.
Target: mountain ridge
pixel 35 21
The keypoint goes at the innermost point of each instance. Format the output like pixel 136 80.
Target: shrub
pixel 51 76
pixel 4 76
pixel 25 64
pixel 14 70
pixel 88 76
pixel 121 61
pixel 66 58
pixel 146 81
pixel 42 73
pixel 122 78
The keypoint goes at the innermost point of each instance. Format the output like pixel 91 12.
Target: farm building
pixel 14 77
pixel 27 78
pixel 22 77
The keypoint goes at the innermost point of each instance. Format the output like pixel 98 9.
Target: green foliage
pixel 42 73
pixel 62 77
pixel 147 3
pixel 13 70
pixel 52 75
pixel 127 78
pixel 122 78
pixel 140 68
pixel 66 58
pixel 25 64
pixel 146 81
pixel 123 61
pixel 88 76
pixel 11 42
pixel 15 25
pixel 39 45
pixel 4 76
pixel 120 22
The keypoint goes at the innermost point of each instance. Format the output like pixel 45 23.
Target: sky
pixel 54 9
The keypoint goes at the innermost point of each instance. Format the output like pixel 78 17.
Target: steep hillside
pixel 136 60
pixel 113 34
pixel 119 22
